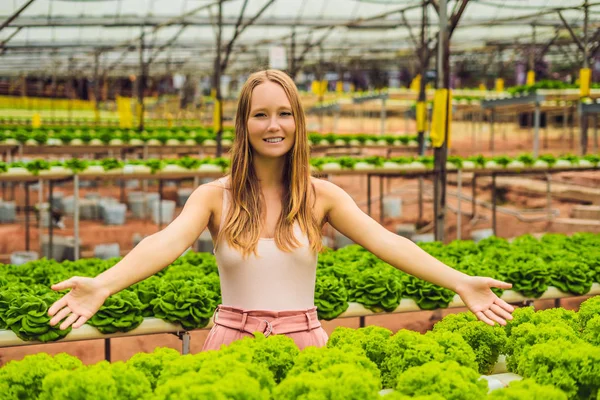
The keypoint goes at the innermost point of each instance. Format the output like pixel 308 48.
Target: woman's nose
pixel 273 125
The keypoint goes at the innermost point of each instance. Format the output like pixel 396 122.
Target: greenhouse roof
pixel 181 34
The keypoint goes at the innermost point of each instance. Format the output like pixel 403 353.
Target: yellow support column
pixel 585 78
pixel 216 116
pixel 442 114
pixel 530 78
pixel 421 116
pixel 499 85
pixel 36 120
pixel 415 85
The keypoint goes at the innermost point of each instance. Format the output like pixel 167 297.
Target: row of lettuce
pixel 203 136
pixel 557 351
pixel 457 162
pixel 77 120
pixel 546 84
pixel 326 164
pixel 188 291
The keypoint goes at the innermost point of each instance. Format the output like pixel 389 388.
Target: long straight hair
pixel 243 224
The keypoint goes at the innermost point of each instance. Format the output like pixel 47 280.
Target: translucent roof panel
pixel 50 32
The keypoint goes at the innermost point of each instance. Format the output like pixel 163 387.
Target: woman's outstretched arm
pixel 346 217
pixel 150 256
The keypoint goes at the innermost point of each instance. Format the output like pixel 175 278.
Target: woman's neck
pixel 269 171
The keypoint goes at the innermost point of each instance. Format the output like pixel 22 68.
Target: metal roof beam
pixel 159 21
pixel 152 21
pixel 14 16
pixel 12 35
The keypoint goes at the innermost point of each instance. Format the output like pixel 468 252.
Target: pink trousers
pixel 302 326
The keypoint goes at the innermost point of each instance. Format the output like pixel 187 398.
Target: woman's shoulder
pixel 210 193
pixel 325 190
pixel 323 186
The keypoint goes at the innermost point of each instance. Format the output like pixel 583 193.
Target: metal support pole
pixel 473 133
pixel 383 116
pixel 185 343
pixel 361 322
pixel 492 115
pixel 536 130
pixel 54 87
pixel 474 196
pixel 421 187
pixel 548 196
pixel 70 90
pixel 422 71
pixel 381 199
pixel 96 88
pixel 107 349
pixel 572 129
pixel 27 246
pixel 494 195
pixel 40 220
pixel 369 194
pixel 141 82
pixel 595 149
pixel 160 196
pixel 583 118
pixel 565 119
pixel 441 153
pixel 76 216
pixel 458 211
pixel 122 181
pixel 50 222
pixel 545 140
pixel 528 303
pixel 217 80
pixel 532 49
pixel 586 36
pixel 584 132
pixel 145 199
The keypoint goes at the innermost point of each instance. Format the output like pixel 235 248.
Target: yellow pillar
pixel 499 85
pixel 442 112
pixel 530 78
pixel 585 78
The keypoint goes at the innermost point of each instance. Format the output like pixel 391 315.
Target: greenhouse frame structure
pixel 116 38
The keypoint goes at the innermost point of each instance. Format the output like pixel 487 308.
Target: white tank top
pixel 275 280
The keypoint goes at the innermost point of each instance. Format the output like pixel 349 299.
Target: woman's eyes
pixel 284 113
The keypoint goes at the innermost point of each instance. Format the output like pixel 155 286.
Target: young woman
pixel 266 219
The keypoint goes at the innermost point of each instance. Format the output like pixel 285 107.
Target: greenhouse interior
pixel 420 176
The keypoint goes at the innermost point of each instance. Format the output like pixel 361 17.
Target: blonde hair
pixel 243 225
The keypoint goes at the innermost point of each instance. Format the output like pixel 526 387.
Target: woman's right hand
pixel 80 304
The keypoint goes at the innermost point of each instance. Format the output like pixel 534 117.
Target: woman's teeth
pixel 273 140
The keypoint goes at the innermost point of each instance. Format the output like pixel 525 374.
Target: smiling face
pixel 271 124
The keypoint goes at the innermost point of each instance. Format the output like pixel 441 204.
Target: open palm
pixel 79 305
pixel 476 293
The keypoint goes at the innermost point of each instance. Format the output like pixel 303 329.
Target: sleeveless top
pixel 275 280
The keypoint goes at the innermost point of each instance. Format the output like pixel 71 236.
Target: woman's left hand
pixel 476 293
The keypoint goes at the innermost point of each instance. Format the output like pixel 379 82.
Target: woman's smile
pixel 274 140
